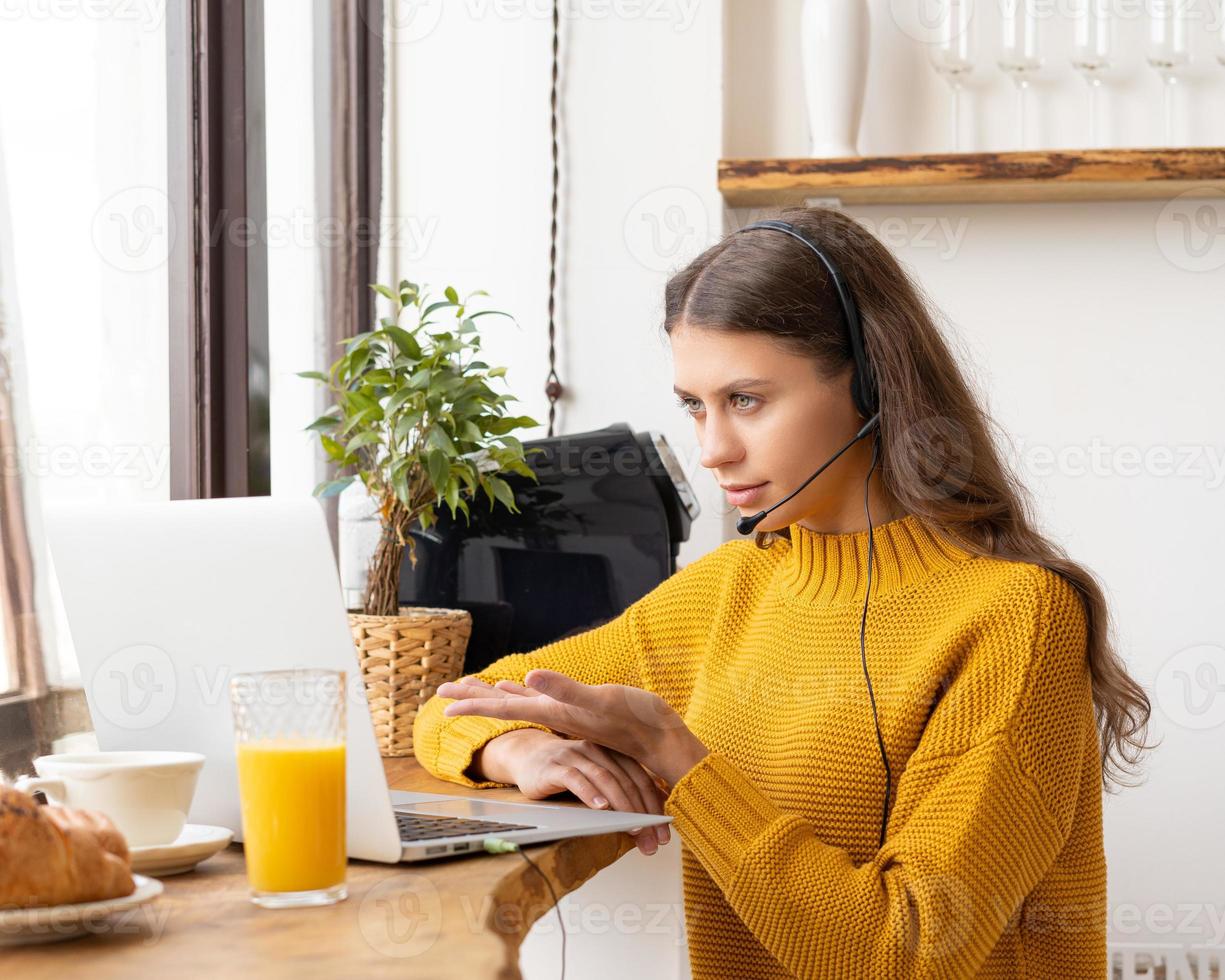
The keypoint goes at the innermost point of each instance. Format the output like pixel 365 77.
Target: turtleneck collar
pixel 830 569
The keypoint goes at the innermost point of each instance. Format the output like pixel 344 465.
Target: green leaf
pixel 503 492
pixel 363 439
pixel 333 487
pixel 334 449
pixel 498 372
pixel 323 422
pixel 399 485
pixel 357 340
pixel 398 398
pixel 405 424
pixel 359 357
pixel 451 294
pixel 439 439
pixel 384 291
pixel 440 305
pixel 510 442
pixel 437 466
pixel 453 495
pixel 313 376
pixel 405 341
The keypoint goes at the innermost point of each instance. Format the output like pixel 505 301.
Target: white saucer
pixel 196 843
pixel 52 923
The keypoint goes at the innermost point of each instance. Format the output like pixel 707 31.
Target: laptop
pixel 167 601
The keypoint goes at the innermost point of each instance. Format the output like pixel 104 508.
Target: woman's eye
pixel 750 398
pixel 683 403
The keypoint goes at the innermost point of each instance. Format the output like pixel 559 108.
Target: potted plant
pixel 415 419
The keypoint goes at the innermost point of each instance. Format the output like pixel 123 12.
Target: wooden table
pixel 449 917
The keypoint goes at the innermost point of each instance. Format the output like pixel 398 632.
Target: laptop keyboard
pixel 423 826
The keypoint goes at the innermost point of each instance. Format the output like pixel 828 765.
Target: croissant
pixel 50 855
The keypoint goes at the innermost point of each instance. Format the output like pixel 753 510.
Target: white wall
pixel 1093 328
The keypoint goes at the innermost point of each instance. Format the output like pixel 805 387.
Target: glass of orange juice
pixel 290 731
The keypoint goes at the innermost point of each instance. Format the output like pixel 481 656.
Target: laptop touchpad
pixel 447 808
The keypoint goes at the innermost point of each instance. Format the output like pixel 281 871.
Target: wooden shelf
pixel 1029 175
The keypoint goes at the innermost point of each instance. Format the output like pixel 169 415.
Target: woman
pixel 882 728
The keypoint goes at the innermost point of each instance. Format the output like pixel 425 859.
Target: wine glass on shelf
pixel 1168 52
pixel 952 54
pixel 1220 34
pixel 1092 50
pixel 1019 56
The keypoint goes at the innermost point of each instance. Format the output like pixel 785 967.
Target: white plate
pixel 52 923
pixel 196 843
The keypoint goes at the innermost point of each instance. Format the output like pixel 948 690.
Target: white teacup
pixel 146 794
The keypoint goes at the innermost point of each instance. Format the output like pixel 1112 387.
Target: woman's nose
pixel 720 447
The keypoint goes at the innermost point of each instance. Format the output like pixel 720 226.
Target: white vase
pixel 358 531
pixel 834 36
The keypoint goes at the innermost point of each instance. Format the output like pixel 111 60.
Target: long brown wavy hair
pixel 939 458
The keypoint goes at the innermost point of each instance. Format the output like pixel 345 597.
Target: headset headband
pixel 863 384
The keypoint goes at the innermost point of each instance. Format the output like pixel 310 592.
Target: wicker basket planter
pixel 403 660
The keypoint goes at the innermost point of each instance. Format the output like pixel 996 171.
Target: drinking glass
pixel 1092 50
pixel 289 726
pixel 1168 52
pixel 1220 33
pixel 952 54
pixel 1019 54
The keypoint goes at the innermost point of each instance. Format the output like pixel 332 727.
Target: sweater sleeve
pixel 982 810
pixel 670 617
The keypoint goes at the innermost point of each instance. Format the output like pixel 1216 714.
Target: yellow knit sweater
pixel 993 864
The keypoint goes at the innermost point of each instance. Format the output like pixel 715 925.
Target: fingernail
pixel 600 801
pixel 661 833
pixel 635 830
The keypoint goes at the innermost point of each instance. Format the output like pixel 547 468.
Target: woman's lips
pixel 745 498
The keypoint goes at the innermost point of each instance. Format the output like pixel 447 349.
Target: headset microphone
pixel 746 524
pixel 864 396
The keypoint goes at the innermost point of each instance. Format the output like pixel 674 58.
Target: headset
pixel 865 398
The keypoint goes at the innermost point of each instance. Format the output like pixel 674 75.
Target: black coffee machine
pixel 600 529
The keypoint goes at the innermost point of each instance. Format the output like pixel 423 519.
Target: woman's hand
pixel 604 779
pixel 636 723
